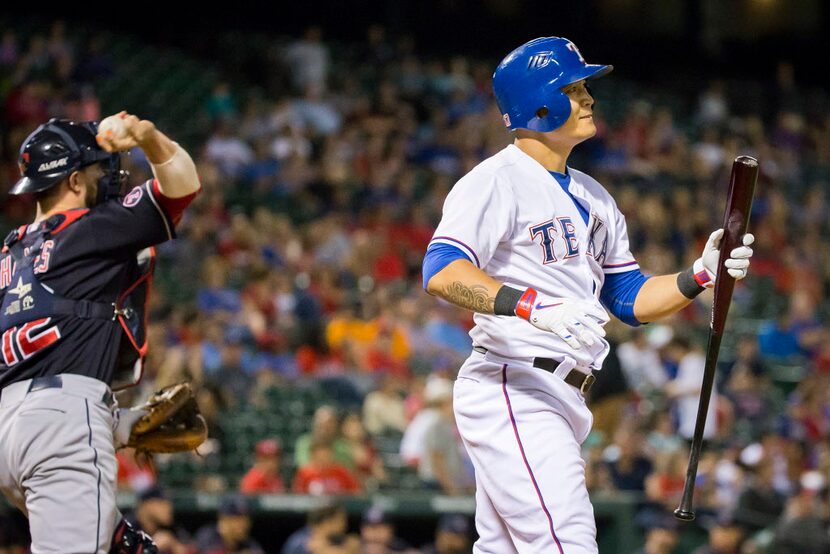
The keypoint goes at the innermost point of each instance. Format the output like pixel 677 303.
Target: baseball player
pixel 73 288
pixel 539 251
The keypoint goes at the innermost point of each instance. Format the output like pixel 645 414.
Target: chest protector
pixel 28 303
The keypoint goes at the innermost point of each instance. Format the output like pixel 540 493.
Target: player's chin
pixel 587 124
pixel 585 130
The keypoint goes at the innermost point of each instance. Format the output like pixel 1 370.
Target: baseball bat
pixel 735 220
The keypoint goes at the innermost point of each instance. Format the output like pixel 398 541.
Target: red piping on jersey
pixel 21 231
pixel 71 217
pixel 142 350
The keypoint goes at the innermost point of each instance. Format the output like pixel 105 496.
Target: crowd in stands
pixel 300 262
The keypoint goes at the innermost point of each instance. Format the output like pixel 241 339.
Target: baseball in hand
pixel 112 128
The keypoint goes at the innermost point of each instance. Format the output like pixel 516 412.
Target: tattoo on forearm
pixel 473 298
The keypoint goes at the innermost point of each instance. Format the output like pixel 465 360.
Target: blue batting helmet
pixel 528 83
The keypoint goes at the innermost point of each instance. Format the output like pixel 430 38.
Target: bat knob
pixel 748 161
pixel 684 515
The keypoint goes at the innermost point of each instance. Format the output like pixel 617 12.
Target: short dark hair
pixel 47 194
pixel 324 513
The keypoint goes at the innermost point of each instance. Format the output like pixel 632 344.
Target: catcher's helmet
pixel 56 149
pixel 528 83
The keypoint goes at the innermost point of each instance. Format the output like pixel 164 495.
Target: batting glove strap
pixel 702 275
pixel 525 304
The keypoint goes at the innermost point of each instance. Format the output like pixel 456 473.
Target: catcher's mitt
pixel 171 422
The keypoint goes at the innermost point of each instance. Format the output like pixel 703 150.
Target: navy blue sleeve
pixel 438 256
pixel 619 292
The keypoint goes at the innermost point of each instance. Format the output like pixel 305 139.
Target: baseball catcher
pixel 74 287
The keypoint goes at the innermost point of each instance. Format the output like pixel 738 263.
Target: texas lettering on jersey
pixel 559 235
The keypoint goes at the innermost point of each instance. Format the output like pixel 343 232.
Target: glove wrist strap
pixel 703 276
pixel 688 285
pixel 525 304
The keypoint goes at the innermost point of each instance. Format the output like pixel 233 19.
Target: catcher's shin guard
pixel 129 540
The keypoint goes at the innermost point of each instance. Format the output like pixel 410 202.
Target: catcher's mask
pixel 60 147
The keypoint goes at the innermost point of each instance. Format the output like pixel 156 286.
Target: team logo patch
pixel 132 199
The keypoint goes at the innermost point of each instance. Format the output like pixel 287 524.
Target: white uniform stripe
pixel 149 186
pixel 460 245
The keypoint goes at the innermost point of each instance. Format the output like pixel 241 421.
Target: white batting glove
pixel 576 322
pixel 737 265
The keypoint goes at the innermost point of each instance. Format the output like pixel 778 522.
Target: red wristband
pixel 525 304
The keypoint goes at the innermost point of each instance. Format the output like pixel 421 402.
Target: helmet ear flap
pixel 542 112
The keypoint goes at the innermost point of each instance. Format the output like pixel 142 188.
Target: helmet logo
pixel 572 47
pixel 506 119
pixel 46 166
pixel 24 164
pixel 540 60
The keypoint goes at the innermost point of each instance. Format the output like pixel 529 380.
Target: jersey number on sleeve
pixel 21 343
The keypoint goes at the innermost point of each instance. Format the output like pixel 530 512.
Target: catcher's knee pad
pixel 129 540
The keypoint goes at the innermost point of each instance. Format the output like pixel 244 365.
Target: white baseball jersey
pixel 515 222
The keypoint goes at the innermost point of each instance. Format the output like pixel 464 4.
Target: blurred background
pixel 327 136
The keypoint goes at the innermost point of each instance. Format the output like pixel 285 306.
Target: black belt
pixel 575 378
pixel 56 382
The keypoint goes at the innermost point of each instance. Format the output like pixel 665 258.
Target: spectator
pixel 228 152
pixel 640 361
pixel 221 105
pixel 308 60
pixel 153 511
pixel 134 471
pixel 684 389
pixel 377 534
pixel 367 464
pixel 804 525
pixel 231 534
pixel 759 504
pixel 154 515
pixel 452 536
pixel 437 391
pixel 383 409
pixel 324 532
pixel 665 485
pixel 322 475
pixel 611 395
pixel 325 428
pixel 661 532
pixel 442 466
pixel 627 465
pixel 726 536
pixel 264 476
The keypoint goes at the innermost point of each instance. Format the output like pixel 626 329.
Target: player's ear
pixel 75 182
